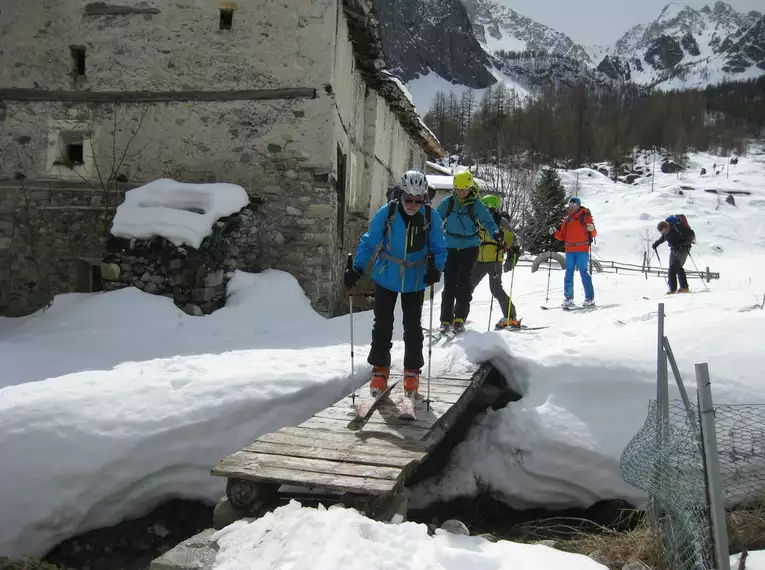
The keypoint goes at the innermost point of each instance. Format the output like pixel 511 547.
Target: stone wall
pixel 52 235
pixel 176 46
pixel 195 279
pixel 283 150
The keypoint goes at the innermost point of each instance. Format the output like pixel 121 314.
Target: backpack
pixel 585 212
pixel 393 208
pixel 470 211
pixel 680 222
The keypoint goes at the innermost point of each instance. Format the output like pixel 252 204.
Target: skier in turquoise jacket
pixel 462 213
pixel 411 253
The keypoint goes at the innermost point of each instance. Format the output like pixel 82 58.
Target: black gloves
pixel 499 237
pixel 509 262
pixel 656 244
pixel 352 277
pixel 432 275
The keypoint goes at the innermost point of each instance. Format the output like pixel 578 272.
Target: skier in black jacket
pixel 679 236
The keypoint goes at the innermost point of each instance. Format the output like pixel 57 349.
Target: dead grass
pixel 637 540
pixel 26 564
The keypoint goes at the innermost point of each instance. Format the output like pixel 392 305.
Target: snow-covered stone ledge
pixel 179 240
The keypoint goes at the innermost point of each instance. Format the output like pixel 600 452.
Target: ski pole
pixel 430 343
pixel 491 305
pixel 549 268
pixel 697 271
pixel 510 297
pixel 348 267
pixel 661 267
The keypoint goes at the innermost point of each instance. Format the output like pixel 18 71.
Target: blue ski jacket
pixel 462 225
pixel 400 249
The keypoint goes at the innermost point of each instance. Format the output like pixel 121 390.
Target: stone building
pixel 288 100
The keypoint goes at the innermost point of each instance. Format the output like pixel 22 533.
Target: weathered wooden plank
pixel 447 420
pixel 381 416
pixel 255 462
pixel 345 483
pixel 413 432
pixel 388 442
pixel 362 455
pixel 451 380
pixel 21 94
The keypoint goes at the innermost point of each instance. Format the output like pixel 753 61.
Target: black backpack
pixel 393 208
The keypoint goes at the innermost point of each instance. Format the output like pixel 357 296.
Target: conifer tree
pixel 548 208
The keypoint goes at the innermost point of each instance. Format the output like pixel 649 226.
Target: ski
pixel 581 308
pixel 365 410
pixel 522 328
pixel 406 407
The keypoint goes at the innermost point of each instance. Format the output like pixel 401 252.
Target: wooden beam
pixel 104 9
pixel 254 462
pixel 382 440
pixel 155 96
pixel 346 483
pixel 368 455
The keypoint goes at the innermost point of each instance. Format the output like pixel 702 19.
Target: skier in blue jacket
pixel 462 212
pixel 407 236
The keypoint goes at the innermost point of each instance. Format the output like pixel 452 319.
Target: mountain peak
pixel 671 12
pixel 500 28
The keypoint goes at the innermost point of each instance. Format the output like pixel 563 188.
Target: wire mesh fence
pixel 741 448
pixel 665 459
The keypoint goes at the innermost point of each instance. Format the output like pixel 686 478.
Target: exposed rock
pixel 455 527
pixel 419 36
pixel 599 557
pixel 670 167
pixel 193 310
pixel 663 53
pixel 110 271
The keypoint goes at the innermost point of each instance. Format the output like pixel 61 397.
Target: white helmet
pixel 414 182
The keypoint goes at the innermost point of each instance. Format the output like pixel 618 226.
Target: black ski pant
pixel 457 293
pixel 494 271
pixel 382 330
pixel 677 258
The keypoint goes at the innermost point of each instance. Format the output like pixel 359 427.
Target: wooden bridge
pixel 366 467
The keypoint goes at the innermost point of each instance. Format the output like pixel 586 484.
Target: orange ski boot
pixel 411 382
pixel 379 382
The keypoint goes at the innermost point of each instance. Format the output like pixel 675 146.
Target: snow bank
pixel 111 402
pixel 320 539
pixel 171 396
pixel 178 211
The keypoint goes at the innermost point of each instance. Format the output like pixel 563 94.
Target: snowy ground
pixel 110 403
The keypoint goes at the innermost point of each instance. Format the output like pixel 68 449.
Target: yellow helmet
pixel 463 180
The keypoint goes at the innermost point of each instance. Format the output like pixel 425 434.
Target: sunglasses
pixel 414 201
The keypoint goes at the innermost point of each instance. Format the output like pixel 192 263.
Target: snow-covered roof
pixel 438 168
pixel 444 182
pixel 180 212
pixel 440 182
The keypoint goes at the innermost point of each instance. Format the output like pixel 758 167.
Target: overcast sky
pixel 604 21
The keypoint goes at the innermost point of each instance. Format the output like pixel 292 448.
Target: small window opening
pixel 75 153
pixel 226 18
pixel 78 59
pixel 71 149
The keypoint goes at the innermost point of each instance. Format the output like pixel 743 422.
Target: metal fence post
pixel 662 389
pixel 712 468
pixel 662 400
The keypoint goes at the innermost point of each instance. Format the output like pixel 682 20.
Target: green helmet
pixel 491 202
